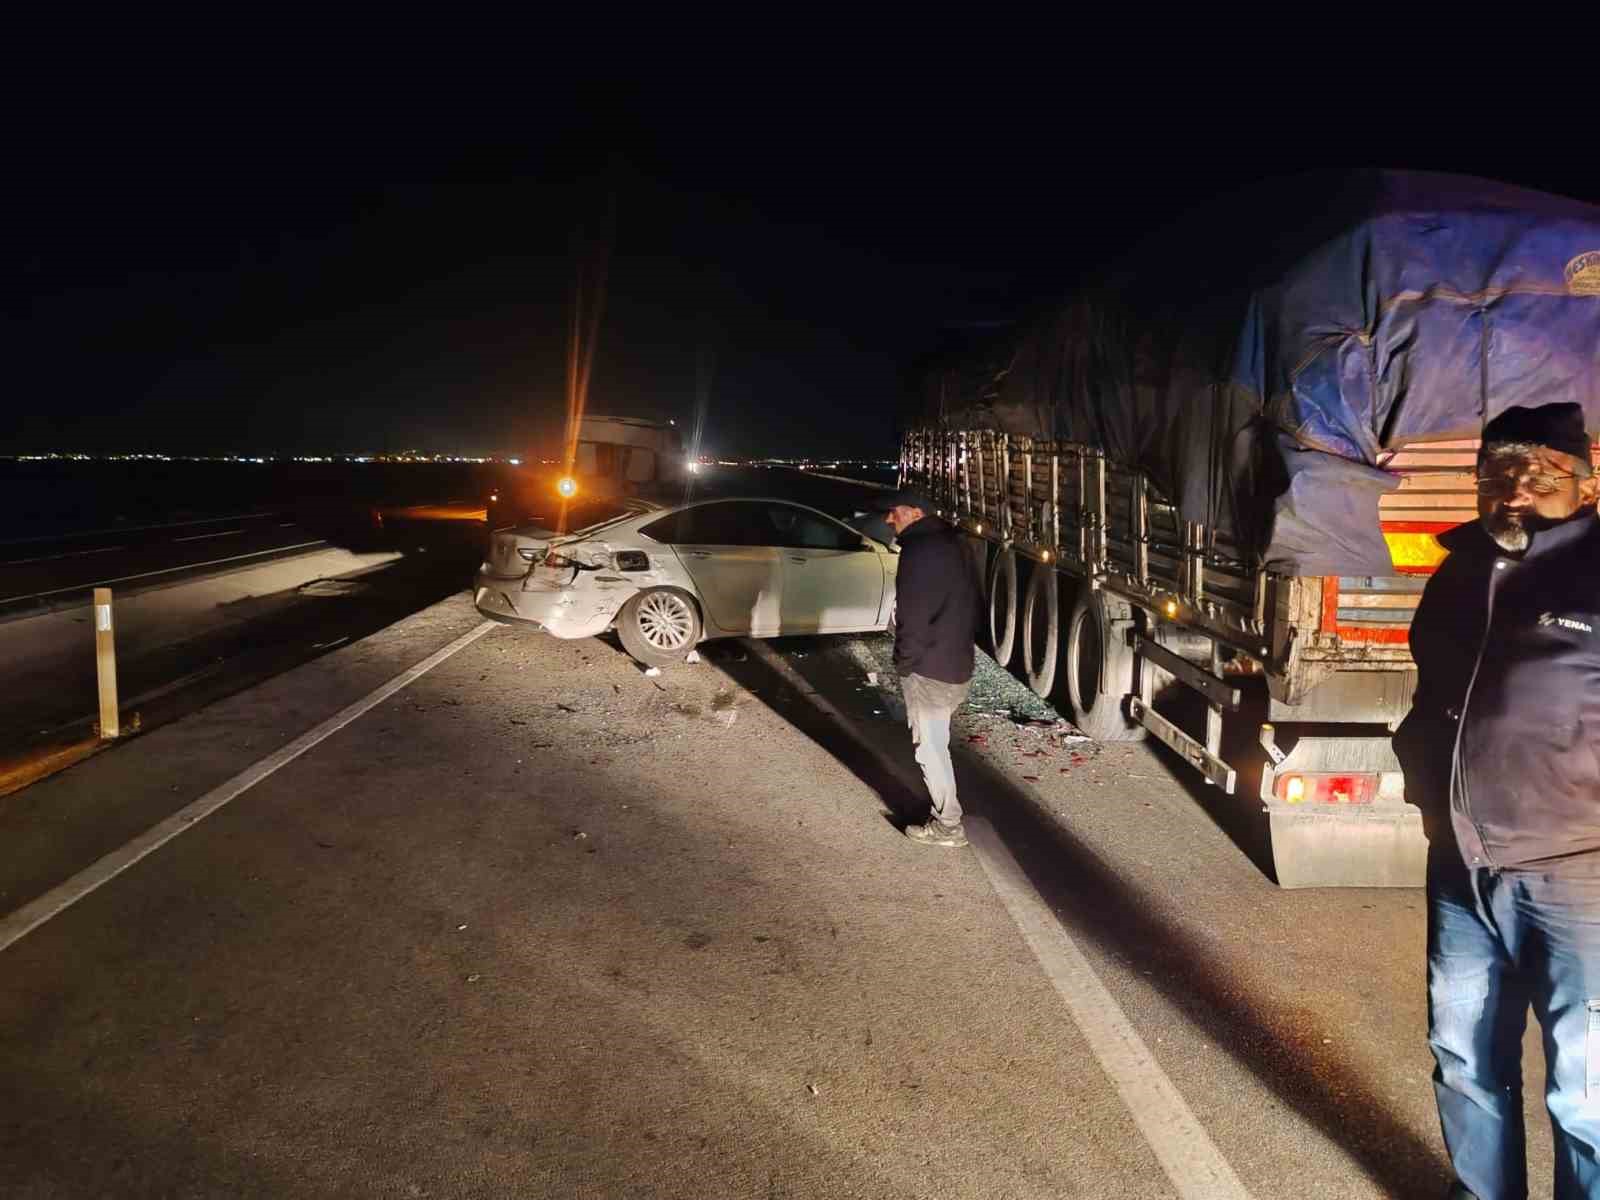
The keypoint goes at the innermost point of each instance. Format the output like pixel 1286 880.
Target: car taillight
pixel 1298 787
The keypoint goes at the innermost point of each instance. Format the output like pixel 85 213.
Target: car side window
pixel 798 529
pixel 665 530
pixel 729 523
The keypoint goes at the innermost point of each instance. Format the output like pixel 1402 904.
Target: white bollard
pixel 105 661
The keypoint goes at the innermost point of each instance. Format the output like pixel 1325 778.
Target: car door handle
pixel 798 559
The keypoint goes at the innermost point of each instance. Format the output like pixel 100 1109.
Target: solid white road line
pixel 1181 1145
pixel 200 537
pixel 22 562
pixel 84 533
pixel 58 899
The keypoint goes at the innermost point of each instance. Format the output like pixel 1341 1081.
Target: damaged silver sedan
pixel 668 578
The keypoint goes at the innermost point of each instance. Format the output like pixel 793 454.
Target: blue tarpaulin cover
pixel 1257 359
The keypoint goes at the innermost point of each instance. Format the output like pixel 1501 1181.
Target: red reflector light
pixel 1299 787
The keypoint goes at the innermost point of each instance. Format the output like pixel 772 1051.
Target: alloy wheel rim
pixel 664 621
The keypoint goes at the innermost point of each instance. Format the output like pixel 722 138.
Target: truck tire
pixel 1041 629
pixel 1002 593
pixel 659 626
pixel 1099 672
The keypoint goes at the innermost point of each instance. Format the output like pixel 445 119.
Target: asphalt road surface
pixel 415 906
pixel 529 922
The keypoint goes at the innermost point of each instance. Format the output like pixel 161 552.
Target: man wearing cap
pixel 1501 752
pixel 936 612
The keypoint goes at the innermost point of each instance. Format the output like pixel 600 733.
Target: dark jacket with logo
pixel 1501 750
pixel 936 604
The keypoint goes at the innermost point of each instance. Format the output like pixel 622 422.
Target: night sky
pixel 298 285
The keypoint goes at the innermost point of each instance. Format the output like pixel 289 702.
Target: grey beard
pixel 1507 531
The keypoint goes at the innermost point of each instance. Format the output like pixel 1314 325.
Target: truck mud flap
pixel 1370 840
pixel 1350 848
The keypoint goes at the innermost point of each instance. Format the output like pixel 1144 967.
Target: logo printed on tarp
pixel 1565 622
pixel 1583 274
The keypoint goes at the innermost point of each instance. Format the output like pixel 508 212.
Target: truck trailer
pixel 1228 460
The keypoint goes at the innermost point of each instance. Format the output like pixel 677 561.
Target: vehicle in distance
pixel 611 456
pixel 668 578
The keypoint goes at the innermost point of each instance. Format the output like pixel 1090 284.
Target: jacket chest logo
pixel 1565 622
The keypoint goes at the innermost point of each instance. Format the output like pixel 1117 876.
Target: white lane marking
pixel 1181 1145
pixel 882 487
pixel 58 899
pixel 200 537
pixel 79 587
pixel 84 533
pixel 17 562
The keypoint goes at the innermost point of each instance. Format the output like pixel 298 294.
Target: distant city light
pixel 426 457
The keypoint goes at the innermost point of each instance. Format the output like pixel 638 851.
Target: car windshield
pixel 583 516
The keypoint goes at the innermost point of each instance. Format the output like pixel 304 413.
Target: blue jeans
pixel 1500 942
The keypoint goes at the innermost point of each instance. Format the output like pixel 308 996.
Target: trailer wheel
pixel 1099 672
pixel 1041 629
pixel 1003 606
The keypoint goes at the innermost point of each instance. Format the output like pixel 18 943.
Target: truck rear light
pixel 1413 553
pixel 1319 788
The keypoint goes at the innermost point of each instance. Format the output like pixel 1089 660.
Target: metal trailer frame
pixel 1331 650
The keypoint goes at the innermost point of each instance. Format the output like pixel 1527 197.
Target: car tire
pixel 659 626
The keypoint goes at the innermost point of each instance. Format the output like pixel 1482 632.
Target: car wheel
pixel 659 626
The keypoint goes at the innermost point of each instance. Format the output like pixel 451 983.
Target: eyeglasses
pixel 1500 486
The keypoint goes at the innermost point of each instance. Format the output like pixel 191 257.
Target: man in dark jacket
pixel 936 613
pixel 1501 751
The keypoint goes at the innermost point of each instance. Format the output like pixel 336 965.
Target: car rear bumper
pixel 563 613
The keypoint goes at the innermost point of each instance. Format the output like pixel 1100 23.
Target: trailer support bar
pixel 1204 682
pixel 1208 764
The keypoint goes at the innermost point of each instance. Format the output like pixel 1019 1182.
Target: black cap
pixel 1558 426
pixel 884 501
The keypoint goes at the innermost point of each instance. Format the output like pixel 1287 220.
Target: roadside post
pixel 105 661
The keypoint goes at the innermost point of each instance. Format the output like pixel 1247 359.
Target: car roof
pixel 751 500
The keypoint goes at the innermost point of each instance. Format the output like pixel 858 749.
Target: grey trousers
pixel 929 706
